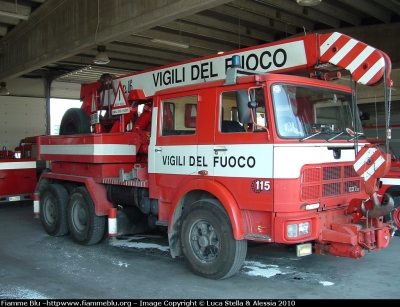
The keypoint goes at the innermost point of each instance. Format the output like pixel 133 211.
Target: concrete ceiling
pixel 60 37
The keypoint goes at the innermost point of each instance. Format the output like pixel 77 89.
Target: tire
pixel 70 186
pixel 208 245
pixel 394 215
pixel 85 227
pixel 75 121
pixel 105 236
pixel 53 210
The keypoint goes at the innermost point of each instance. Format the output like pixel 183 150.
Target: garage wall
pixel 23 111
pixel 27 87
pixel 21 117
pixel 65 90
pixel 36 87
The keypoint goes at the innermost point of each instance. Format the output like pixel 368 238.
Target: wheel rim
pixel 204 241
pixel 50 210
pixel 79 216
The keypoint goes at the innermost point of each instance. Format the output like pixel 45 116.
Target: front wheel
pixel 208 245
pixel 86 228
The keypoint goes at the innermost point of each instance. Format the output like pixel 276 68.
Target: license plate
pixel 14 198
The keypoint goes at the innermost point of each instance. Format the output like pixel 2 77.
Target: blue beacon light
pixel 235 61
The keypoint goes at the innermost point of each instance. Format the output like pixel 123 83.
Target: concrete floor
pixel 34 265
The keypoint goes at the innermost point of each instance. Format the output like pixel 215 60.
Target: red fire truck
pixel 390 184
pixel 221 153
pixel 18 176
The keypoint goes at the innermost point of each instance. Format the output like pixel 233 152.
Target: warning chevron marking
pixel 120 100
pixel 120 105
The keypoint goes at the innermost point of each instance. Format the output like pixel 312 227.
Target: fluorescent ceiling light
pixel 161 41
pixel 308 2
pixel 14 15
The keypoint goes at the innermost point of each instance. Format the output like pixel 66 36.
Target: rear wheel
pixel 53 210
pixel 70 186
pixel 208 245
pixel 86 228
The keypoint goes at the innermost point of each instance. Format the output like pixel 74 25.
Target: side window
pixel 179 116
pixel 229 114
pixel 232 102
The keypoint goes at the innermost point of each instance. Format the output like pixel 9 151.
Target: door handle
pixel 158 150
pixel 218 149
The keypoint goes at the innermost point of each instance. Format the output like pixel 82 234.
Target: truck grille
pixel 326 181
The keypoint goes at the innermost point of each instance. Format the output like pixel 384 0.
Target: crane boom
pixel 312 52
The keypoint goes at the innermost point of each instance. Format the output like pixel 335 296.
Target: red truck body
pixel 18 177
pixel 222 155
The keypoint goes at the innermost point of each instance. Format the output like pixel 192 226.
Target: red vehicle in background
pixel 18 176
pixel 390 184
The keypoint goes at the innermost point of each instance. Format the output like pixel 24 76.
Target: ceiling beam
pixel 342 14
pixel 12 8
pixel 307 12
pixel 145 41
pixel 85 60
pixel 151 53
pixel 3 30
pixel 255 18
pixel 9 20
pixel 62 28
pixel 280 15
pixel 212 47
pixel 392 5
pixel 370 8
pixel 114 55
pixel 219 30
pixel 212 34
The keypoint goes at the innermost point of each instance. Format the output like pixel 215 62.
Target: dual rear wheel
pixel 53 210
pixel 85 227
pixel 68 207
pixel 62 212
pixel 206 236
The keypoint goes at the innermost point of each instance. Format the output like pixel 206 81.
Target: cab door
pixel 173 146
pixel 243 150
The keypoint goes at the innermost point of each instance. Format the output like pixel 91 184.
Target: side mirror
pixel 243 101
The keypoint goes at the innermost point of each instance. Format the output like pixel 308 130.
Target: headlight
pixel 292 230
pixel 304 228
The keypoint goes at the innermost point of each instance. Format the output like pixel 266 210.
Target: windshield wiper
pixel 359 134
pixel 334 137
pixel 309 137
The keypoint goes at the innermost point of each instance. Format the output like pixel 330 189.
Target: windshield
pixel 309 112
